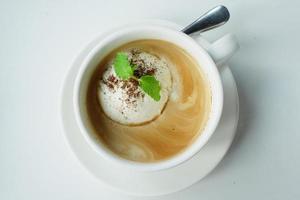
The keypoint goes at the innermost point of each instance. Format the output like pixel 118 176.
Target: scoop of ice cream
pixel 124 101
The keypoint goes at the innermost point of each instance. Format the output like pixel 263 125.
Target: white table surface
pixel 38 41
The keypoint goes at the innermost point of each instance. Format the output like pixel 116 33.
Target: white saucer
pixel 151 183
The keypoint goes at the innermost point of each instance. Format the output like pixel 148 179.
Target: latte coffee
pixel 163 128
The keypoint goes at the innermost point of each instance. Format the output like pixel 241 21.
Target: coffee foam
pixel 130 105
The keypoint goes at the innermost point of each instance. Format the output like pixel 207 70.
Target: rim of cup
pixel 157 32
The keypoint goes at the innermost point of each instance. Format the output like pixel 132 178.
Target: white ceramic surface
pixel 140 183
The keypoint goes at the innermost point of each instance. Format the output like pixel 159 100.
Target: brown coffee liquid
pixel 182 120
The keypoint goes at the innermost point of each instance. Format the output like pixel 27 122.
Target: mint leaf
pixel 122 66
pixel 150 86
pixel 124 70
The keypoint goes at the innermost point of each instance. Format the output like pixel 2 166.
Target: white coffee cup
pixel 209 57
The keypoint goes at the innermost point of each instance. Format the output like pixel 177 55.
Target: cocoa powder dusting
pixel 112 79
pixel 141 68
pixel 111 82
pixel 132 91
pixel 131 86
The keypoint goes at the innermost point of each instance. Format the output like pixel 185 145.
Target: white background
pixel 39 40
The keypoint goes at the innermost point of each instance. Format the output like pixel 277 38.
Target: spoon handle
pixel 212 19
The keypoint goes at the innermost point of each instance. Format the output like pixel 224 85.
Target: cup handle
pixel 222 49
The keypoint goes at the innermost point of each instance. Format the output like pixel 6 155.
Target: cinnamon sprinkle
pixel 131 86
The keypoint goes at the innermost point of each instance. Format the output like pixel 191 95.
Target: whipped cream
pixel 124 101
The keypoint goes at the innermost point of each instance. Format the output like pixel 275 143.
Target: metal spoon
pixel 212 19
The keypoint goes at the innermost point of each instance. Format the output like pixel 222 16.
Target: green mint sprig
pixel 122 66
pixel 124 71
